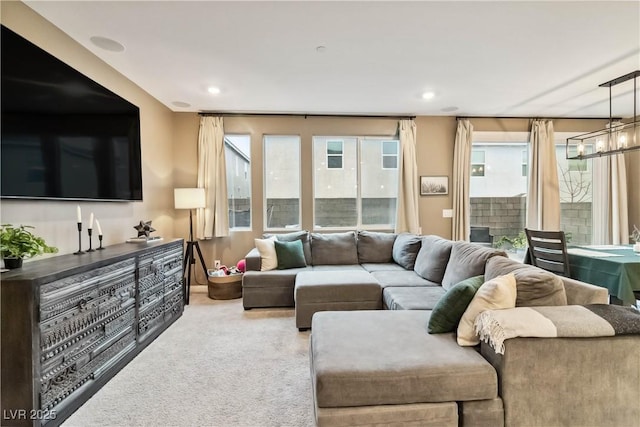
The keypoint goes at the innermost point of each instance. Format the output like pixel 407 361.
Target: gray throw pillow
pixel 375 247
pixel 535 286
pixel 467 260
pixel 302 235
pixel 433 257
pixel 290 254
pixel 405 249
pixel 334 248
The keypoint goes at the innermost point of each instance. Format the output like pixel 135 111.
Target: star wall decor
pixel 144 228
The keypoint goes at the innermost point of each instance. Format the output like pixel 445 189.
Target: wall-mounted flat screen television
pixel 63 136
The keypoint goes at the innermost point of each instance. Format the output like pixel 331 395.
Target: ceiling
pixel 501 58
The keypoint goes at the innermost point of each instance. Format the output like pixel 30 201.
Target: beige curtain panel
pixel 407 217
pixel 610 221
pixel 461 227
pixel 213 220
pixel 543 199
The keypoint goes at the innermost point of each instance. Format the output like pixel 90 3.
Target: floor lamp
pixel 190 198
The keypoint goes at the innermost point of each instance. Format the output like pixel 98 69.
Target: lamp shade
pixel 189 198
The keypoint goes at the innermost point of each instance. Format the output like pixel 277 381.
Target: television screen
pixel 63 136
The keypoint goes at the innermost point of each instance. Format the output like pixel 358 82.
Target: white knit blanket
pixel 594 320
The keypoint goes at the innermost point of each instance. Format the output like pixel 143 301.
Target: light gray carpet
pixel 218 365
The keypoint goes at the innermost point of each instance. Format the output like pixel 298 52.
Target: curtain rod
pixel 537 118
pixel 342 116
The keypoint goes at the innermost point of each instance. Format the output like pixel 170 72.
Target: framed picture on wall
pixel 434 185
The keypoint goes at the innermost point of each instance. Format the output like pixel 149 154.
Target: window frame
pixel 265 205
pixel 359 225
pixel 247 178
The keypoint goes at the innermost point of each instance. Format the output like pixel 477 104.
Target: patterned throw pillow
pixel 493 295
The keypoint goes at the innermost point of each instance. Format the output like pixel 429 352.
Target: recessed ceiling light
pixel 107 44
pixel 428 95
pixel 321 49
pixel 181 104
pixel 213 90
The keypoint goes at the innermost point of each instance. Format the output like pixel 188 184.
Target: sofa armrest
pixel 568 381
pixel 253 262
pixel 580 293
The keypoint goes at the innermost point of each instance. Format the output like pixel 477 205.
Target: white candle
pixel 91 220
pixel 98 227
pixel 79 215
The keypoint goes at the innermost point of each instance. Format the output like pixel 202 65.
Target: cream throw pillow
pixel 495 294
pixel 268 256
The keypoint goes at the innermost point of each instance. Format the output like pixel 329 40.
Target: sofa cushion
pixel 401 278
pixel 432 259
pixel 268 255
pixel 449 309
pixel 467 260
pixel 302 235
pixel 375 247
pixel 334 248
pixel 290 254
pixel 391 266
pixel 535 286
pixel 411 298
pixel 344 267
pixel 405 249
pixel 386 357
pixel 494 294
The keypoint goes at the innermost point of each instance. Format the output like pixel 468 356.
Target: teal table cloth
pixel 620 273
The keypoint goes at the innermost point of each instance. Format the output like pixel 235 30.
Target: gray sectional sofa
pixel 374 363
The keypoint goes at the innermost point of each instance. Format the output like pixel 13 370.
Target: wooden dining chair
pixel 548 250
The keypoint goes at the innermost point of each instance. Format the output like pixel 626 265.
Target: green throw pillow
pixel 448 311
pixel 290 254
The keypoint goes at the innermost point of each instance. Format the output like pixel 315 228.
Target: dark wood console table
pixel 70 323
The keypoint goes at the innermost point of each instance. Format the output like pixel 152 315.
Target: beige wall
pixel 434 151
pixel 435 138
pixel 55 220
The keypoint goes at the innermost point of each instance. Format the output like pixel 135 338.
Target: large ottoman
pixel 382 367
pixel 334 290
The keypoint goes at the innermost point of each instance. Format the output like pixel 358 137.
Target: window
pixel 282 181
pixel 575 184
pixel 498 200
pixel 238 162
pixel 389 154
pixel 363 192
pixel 477 162
pixel 335 151
pixel 525 162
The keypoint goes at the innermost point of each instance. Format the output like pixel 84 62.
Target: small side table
pixel 225 287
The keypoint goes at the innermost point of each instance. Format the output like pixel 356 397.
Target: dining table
pixel 615 267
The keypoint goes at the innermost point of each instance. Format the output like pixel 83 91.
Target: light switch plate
pixel 447 213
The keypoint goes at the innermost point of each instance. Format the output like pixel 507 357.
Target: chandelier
pixel 617 137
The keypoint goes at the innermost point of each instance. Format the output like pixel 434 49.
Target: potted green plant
pixel 517 243
pixel 18 243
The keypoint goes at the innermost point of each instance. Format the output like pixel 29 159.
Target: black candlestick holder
pixel 89 230
pixel 80 251
pixel 99 248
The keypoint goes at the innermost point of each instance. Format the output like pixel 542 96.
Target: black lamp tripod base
pixel 189 260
